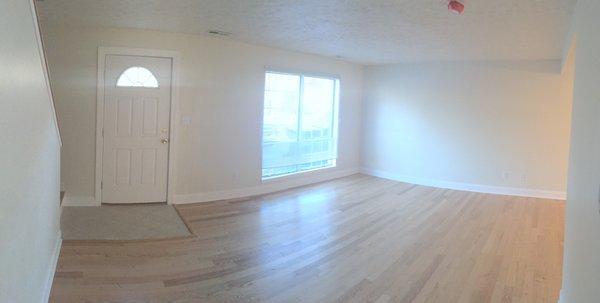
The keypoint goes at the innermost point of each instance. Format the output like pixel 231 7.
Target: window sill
pixel 296 175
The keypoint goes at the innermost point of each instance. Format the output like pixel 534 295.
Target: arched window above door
pixel 137 77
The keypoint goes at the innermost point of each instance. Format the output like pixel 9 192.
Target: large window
pixel 299 123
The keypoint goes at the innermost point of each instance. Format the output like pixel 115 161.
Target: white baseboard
pixel 268 186
pixel 490 189
pixel 561 297
pixel 80 201
pixel 52 269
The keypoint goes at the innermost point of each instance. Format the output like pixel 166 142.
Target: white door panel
pixel 136 132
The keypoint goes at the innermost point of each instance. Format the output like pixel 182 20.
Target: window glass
pixel 137 77
pixel 299 123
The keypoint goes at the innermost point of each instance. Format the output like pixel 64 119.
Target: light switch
pixel 186 120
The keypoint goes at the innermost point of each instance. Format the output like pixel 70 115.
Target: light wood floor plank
pixel 354 239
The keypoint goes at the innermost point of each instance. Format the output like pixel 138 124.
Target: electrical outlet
pixel 186 120
pixel 505 175
pixel 524 179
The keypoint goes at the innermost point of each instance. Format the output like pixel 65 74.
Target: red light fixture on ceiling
pixel 456 7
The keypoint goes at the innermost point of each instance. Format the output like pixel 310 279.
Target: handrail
pixel 44 62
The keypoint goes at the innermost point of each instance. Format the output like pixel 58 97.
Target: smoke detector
pixel 456 6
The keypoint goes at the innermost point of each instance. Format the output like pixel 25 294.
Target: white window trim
pixel 300 172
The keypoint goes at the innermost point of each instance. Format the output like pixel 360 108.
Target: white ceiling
pixel 367 31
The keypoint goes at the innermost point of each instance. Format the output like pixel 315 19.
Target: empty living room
pixel 383 151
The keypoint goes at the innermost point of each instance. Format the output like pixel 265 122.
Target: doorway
pixel 135 127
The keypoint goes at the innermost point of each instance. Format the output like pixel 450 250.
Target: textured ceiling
pixel 367 31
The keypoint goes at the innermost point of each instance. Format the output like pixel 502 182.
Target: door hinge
pixel 101 184
pixel 103 132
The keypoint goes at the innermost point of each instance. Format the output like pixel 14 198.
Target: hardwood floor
pixel 355 239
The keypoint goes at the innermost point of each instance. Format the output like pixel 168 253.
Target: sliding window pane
pixel 280 121
pixel 317 108
pixel 317 119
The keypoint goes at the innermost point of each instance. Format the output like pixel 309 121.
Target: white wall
pixel 581 266
pixel 222 82
pixel 491 126
pixel 29 162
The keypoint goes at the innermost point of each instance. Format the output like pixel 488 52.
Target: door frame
pixel 173 118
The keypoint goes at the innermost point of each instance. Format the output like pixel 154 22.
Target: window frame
pixel 335 121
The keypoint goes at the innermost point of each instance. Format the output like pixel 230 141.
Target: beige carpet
pixel 130 222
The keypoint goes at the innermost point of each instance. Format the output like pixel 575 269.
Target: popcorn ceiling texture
pixel 368 32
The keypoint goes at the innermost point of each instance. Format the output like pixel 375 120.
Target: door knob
pixel 164 140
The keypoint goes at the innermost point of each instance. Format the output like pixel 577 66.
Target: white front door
pixel 137 102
